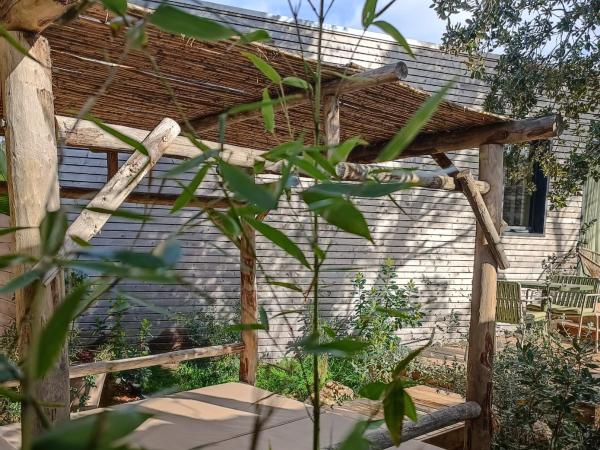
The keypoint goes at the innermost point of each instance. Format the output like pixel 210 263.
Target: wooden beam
pixel 331 121
pixel 484 219
pixel 32 15
pixel 445 163
pixel 482 329
pixel 510 132
pixel 428 180
pixel 112 164
pixel 139 198
pixel 363 80
pixel 32 163
pixel 86 134
pixel 139 362
pixel 380 439
pixel 249 307
pixel 90 221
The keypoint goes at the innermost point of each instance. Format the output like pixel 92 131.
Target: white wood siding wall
pixel 432 243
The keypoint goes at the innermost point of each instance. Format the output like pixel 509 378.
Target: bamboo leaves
pixel 337 211
pixel 264 67
pixel 104 429
pixel 268 113
pixel 244 187
pixel 55 333
pixel 177 21
pixel 280 239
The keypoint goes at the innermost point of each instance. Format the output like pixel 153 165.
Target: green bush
pixel 380 312
pixel 539 386
pixel 191 375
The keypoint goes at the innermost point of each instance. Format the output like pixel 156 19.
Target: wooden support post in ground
pixel 33 189
pixel 249 307
pixel 482 330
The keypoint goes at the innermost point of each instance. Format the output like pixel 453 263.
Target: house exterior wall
pixel 431 238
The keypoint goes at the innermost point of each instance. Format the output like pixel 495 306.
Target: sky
pixel 413 18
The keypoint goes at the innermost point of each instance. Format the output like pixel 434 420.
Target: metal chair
pixel 510 308
pixel 574 304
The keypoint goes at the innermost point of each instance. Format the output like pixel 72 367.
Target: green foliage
pixel 116 344
pixel 10 411
pixel 379 313
pixel 539 386
pixel 327 200
pixel 548 49
pixel 77 434
pixel 540 383
pixel 288 377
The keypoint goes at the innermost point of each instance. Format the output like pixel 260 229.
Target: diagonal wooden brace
pixel 89 223
pixel 469 187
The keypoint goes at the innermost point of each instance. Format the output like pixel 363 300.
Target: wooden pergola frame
pixel 33 133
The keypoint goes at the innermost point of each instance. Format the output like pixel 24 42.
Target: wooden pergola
pixel 72 62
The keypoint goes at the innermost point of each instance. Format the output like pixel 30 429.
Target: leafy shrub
pixel 193 375
pixel 205 329
pixel 539 387
pixel 290 377
pixel 10 411
pixel 379 313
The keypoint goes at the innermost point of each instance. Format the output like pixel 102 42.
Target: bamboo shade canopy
pixel 208 77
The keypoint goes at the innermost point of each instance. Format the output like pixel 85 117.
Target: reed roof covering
pixel 205 78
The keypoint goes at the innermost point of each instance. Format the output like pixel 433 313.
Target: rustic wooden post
pixel 249 356
pixel 331 119
pixel 482 331
pixel 33 189
pixel 112 164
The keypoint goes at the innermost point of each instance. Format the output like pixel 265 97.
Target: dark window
pixel 525 203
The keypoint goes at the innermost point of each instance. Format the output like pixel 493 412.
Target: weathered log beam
pixel 428 180
pixel 32 15
pixel 445 163
pixel 484 219
pixel 117 189
pixel 364 80
pixel 139 362
pixel 86 134
pixel 380 439
pixel 138 198
pixel 91 220
pixel 511 132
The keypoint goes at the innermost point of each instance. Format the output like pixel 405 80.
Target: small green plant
pixel 204 328
pixel 380 312
pixel 540 386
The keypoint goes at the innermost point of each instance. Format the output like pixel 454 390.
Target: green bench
pixel 574 303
